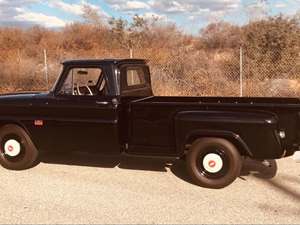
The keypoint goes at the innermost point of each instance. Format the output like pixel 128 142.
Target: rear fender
pixel 255 133
pixel 230 136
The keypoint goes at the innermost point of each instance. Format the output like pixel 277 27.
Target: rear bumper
pixel 296 156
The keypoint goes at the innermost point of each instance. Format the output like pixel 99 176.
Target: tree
pixel 220 35
pixel 118 29
pixel 91 15
pixel 132 35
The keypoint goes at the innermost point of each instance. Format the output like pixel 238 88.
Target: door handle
pixel 102 103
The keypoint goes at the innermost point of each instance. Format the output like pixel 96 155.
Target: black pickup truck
pixel 108 107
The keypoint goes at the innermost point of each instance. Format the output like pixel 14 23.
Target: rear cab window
pixel 134 79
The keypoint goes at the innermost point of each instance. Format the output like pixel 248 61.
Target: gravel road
pixel 93 189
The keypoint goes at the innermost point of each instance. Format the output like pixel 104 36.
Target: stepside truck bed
pixel 156 122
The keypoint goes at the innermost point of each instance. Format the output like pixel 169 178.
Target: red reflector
pixel 38 122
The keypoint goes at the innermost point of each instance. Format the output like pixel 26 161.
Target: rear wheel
pixel 213 162
pixel 17 151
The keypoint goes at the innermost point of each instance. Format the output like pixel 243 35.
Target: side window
pixel 84 82
pixel 135 76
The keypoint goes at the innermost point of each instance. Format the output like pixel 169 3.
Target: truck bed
pixel 153 119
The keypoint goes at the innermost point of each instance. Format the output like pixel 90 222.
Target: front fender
pixel 21 123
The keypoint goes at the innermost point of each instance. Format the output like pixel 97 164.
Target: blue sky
pixel 190 15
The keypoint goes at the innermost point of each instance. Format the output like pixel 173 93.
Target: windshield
pixel 86 81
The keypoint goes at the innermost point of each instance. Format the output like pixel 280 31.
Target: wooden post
pixel 46 68
pixel 241 73
pixel 131 53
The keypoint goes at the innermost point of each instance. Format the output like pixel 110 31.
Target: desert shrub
pixel 181 64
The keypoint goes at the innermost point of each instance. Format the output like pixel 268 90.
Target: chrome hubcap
pixel 213 163
pixel 12 148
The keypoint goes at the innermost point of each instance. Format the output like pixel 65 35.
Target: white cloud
pixel 74 8
pixel 193 6
pixel 9 9
pixel 192 9
pixel 39 18
pixel 70 8
pixel 151 15
pixel 168 6
pixel 17 13
pixel 210 10
pixel 280 5
pixel 124 5
pixel 134 5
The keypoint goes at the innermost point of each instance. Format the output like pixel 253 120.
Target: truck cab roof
pixel 103 61
pixel 135 71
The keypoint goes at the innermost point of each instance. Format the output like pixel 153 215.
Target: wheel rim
pixel 213 164
pixel 12 148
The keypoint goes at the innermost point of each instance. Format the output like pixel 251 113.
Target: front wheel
pixel 213 162
pixel 17 151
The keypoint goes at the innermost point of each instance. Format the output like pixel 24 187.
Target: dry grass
pixel 180 65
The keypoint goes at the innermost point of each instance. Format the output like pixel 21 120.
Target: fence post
pixel 241 72
pixel 46 68
pixel 131 53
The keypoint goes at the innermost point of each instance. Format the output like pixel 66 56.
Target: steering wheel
pixel 78 92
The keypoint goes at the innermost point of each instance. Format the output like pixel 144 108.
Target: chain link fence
pixel 273 74
pixel 182 72
pixel 241 72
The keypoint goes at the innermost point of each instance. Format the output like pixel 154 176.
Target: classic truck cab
pixel 108 107
pixel 85 105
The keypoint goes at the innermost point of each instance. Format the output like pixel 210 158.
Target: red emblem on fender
pixel 39 123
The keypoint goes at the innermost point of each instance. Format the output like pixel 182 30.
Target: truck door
pixel 84 116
